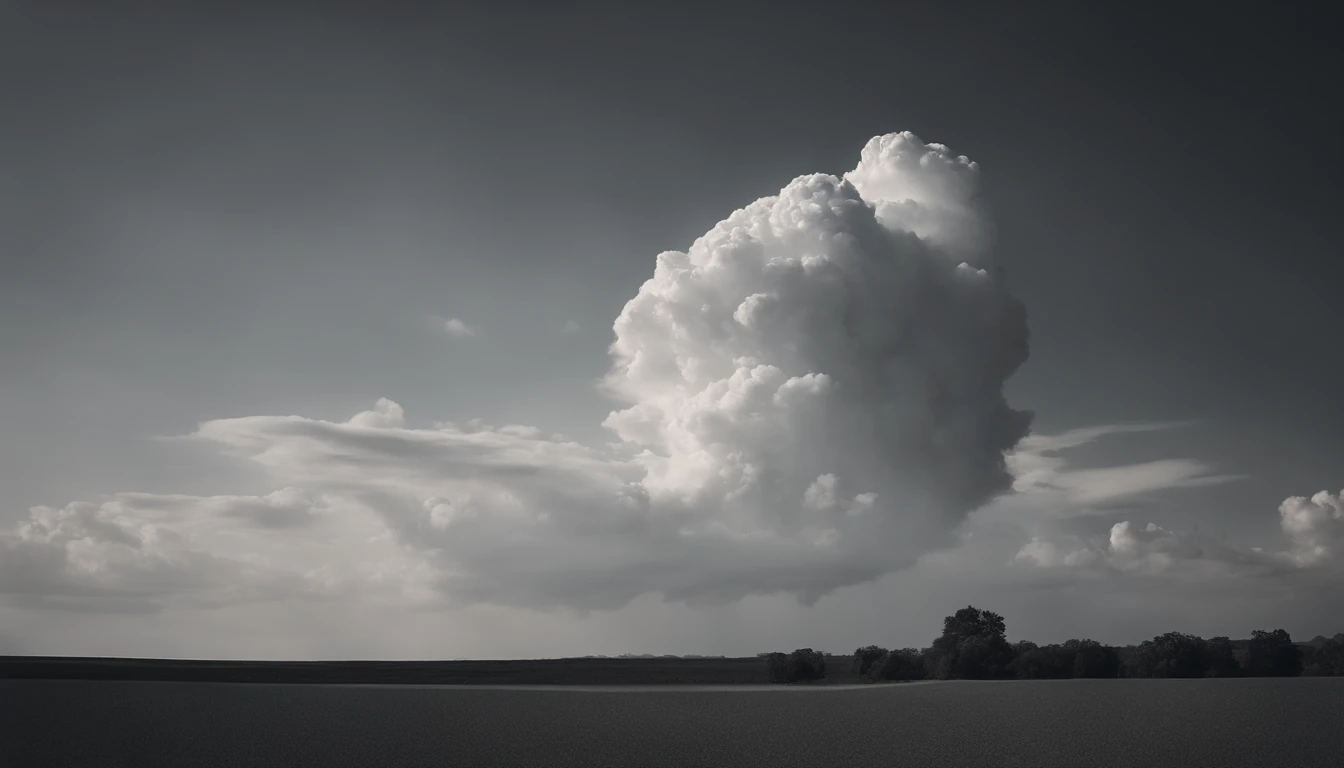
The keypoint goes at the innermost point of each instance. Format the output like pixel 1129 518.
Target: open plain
pixel 1224 722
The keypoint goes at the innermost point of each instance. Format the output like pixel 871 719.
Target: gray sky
pixel 248 211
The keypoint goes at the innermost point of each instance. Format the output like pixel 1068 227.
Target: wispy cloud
pixel 1046 483
pixel 459 328
pixel 1040 470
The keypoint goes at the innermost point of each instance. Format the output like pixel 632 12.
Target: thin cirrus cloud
pixel 458 329
pixel 1039 466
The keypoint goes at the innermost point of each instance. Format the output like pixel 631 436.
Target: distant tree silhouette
pixel 973 622
pixel 1045 662
pixel 1024 656
pixel 1272 654
pixel 802 664
pixel 937 665
pixel 777 664
pixel 1092 659
pixel 899 664
pixel 865 657
pixel 973 646
pixel 1132 662
pixel 1221 657
pixel 1326 658
pixel 1174 654
pixel 1074 658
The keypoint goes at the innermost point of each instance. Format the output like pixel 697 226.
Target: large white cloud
pixel 811 396
pixel 1315 525
pixel 808 334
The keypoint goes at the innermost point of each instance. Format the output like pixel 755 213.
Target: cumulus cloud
pixel 811 395
pixel 135 548
pixel 1154 549
pixel 1314 525
pixel 1054 496
pixel 1311 526
pixel 820 495
pixel 924 189
pixel 1044 553
pixel 459 329
pixel 141 551
pixel 807 331
pixel 385 414
pixel 1149 551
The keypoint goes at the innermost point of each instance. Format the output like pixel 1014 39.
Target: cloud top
pixel 924 189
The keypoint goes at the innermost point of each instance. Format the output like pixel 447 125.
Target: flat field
pixel 1287 722
pixel 584 671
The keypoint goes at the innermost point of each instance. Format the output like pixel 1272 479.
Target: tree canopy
pixel 974 646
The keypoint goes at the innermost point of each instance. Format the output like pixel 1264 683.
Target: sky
pixel 352 332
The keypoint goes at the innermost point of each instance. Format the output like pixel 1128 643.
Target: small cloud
pixel 570 327
pixel 1311 526
pixel 386 414
pixel 1039 552
pixel 1039 469
pixel 820 495
pixel 1052 494
pixel 459 329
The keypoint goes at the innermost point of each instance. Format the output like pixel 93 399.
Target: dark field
pixel 671 671
pixel 1225 722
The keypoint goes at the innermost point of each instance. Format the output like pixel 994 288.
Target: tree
pixel 865 657
pixel 937 665
pixel 1174 654
pixel 1045 662
pixel 777 666
pixel 802 664
pixel 973 646
pixel 1327 658
pixel 900 664
pixel 1272 654
pixel 1092 659
pixel 1222 659
pixel 1132 662
pixel 973 622
pixel 981 658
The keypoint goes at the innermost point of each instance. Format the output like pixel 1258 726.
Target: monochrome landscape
pixel 570 384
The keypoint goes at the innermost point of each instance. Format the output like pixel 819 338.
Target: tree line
pixel 974 646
